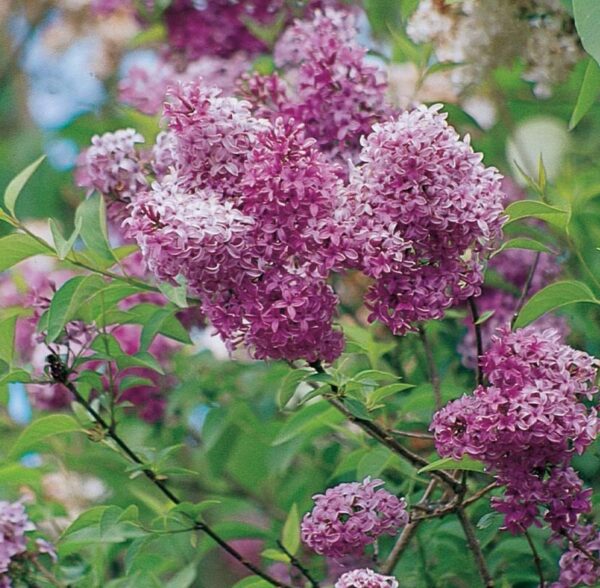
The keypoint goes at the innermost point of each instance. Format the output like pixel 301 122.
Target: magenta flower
pixel 365 578
pixel 14 523
pixel 351 516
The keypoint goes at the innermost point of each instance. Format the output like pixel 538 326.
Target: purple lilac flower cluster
pixel 576 568
pixel 329 86
pixel 14 523
pixel 351 516
pixel 427 211
pixel 365 578
pixel 254 209
pixel 526 425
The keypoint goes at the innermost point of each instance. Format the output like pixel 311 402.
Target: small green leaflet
pixel 447 463
pixel 18 183
pixel 41 429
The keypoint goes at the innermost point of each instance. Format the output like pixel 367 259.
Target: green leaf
pixel 7 339
pixel 67 300
pixel 91 216
pixel 288 386
pixel 588 93
pixel 41 429
pixel 156 324
pixel 447 463
pixel 184 578
pixel 276 555
pixel 63 246
pixel 252 582
pixel 175 294
pixel 358 409
pixel 15 474
pixel 381 393
pixel 535 209
pixel 141 359
pixel 552 297
pixel 524 243
pixel 290 535
pixel 16 247
pixel 18 183
pixel 311 418
pixel 486 316
pixel 587 22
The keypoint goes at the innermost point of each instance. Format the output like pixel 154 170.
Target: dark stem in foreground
pixel 478 338
pixel 536 559
pixel 299 566
pixel 526 288
pixel 60 375
pixel 434 376
pixel 475 548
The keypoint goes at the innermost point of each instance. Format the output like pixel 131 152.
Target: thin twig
pixel 536 559
pixel 413 434
pixel 406 535
pixel 526 288
pixel 299 566
pixel 475 548
pixel 478 338
pixel 61 376
pixel 434 376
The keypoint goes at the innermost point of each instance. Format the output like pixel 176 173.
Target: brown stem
pixel 526 288
pixel 475 548
pixel 536 559
pixel 478 338
pixel 384 436
pixel 61 377
pixel 406 535
pixel 299 566
pixel 434 376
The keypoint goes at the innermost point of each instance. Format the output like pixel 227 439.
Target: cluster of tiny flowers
pixel 484 34
pixel 329 87
pixel 113 166
pixel 576 568
pixel 513 266
pixel 351 516
pixel 426 210
pixel 365 578
pixel 526 425
pixel 145 87
pixel 14 523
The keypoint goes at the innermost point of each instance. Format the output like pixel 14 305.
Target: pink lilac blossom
pixel 14 523
pixel 576 568
pixel 214 135
pixel 526 425
pixel 426 212
pixel 330 87
pixel 114 167
pixel 145 88
pixel 351 516
pixel 365 578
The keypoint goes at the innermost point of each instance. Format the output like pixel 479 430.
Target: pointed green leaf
pixel 587 22
pixel 91 216
pixel 175 294
pixel 535 209
pixel 588 93
pixel 552 297
pixel 41 429
pixel 447 463
pixel 63 246
pixel 67 300
pixel 524 243
pixel 290 535
pixel 18 183
pixel 18 246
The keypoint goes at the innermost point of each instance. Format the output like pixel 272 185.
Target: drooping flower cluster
pixel 14 523
pixel 576 568
pixel 526 425
pixel 427 210
pixel 329 87
pixel 351 516
pixel 365 578
pixel 251 206
pixel 113 167
pixel 485 34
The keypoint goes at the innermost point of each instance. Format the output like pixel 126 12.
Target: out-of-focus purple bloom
pixel 365 578
pixel 576 568
pixel 14 523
